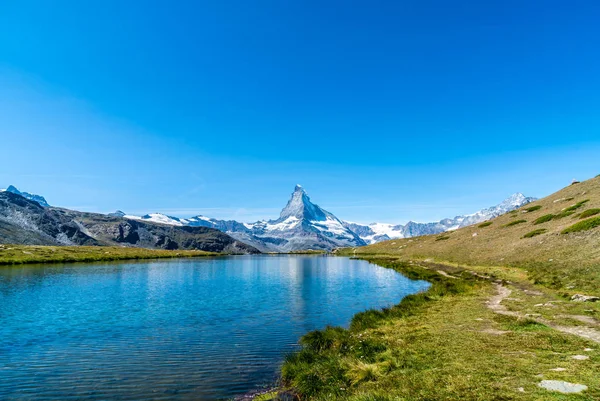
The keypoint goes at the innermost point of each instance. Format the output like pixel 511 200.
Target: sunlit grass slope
pixel 557 239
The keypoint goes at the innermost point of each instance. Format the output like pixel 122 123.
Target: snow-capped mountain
pixel 36 198
pixel 301 225
pixel 377 232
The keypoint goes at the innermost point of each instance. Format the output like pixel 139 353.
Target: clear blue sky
pixel 383 110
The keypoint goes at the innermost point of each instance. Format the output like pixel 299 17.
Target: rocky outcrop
pixel 584 298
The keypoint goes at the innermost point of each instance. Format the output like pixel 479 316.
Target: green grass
pixel 533 208
pixel 486 224
pixel 543 219
pixel 442 238
pixel 576 206
pixel 589 213
pixel 534 233
pixel 23 254
pixel 514 223
pixel 562 214
pixel 584 225
pixel 306 252
pixel 443 344
pixel 268 396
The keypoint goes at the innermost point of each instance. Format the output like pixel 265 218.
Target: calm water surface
pixel 194 329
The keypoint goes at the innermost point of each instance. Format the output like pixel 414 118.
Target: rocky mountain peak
pixel 514 201
pixel 300 207
pixel 36 198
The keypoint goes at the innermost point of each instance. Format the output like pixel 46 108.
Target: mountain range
pixel 377 232
pixel 27 222
pixel 27 218
pixel 304 225
pixel 301 225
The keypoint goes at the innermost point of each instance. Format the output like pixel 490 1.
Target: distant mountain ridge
pixel 377 232
pixel 304 225
pixel 36 198
pixel 26 222
pixel 301 225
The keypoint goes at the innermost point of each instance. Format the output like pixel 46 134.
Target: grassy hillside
pixel 557 239
pixel 497 324
pixel 21 254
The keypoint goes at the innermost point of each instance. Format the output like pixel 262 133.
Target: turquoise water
pixel 193 329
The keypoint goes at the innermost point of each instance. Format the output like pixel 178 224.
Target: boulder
pixel 584 298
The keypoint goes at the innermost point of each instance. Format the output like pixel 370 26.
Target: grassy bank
pixel 444 344
pixel 496 322
pixel 22 254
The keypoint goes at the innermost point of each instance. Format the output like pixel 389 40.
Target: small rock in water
pixel 580 357
pixel 562 387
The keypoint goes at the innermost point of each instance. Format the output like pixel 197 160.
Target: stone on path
pixel 562 387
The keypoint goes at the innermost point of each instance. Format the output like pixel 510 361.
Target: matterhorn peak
pixel 300 207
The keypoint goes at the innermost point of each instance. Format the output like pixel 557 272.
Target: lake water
pixel 193 329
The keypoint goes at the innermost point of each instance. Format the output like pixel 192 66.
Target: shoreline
pixel 463 311
pixel 18 255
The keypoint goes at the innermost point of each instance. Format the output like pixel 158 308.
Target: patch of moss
pixel 584 225
pixel 533 208
pixel 534 233
pixel 576 206
pixel 486 224
pixel 442 238
pixel 543 219
pixel 589 213
pixel 514 223
pixel 563 214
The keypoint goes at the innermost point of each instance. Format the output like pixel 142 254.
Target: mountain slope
pixel 301 225
pixel 534 236
pixel 377 232
pixel 23 221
